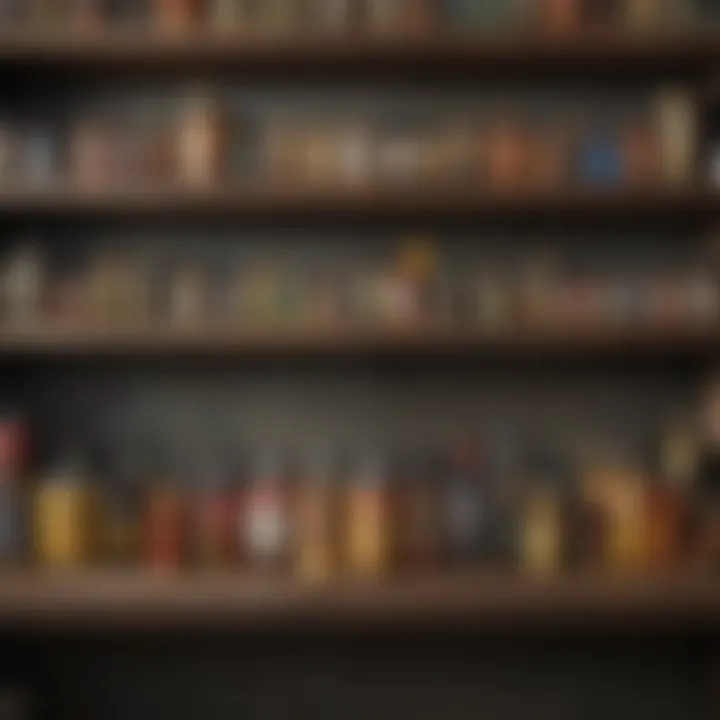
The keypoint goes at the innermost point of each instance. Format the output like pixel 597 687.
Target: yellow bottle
pixel 63 520
pixel 368 527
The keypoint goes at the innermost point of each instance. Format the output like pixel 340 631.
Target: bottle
pixel 677 131
pixel 266 532
pixel 22 285
pixel 63 516
pixel 213 516
pixel 177 15
pixel 367 522
pixel 419 513
pixel 465 506
pixel 200 142
pixel 316 517
pixel 164 519
pixel 542 517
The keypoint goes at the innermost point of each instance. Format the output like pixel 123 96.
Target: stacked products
pixel 416 287
pixel 367 513
pixel 200 146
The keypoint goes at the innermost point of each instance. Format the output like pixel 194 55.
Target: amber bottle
pixel 316 518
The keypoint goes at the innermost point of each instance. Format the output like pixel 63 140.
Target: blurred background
pixel 359 359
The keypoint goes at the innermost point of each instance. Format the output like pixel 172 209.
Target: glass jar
pixel 266 532
pixel 316 517
pixel 367 522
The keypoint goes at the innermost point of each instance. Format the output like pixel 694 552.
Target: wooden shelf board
pixel 103 598
pixel 523 48
pixel 69 339
pixel 264 199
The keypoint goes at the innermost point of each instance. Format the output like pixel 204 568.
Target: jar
pixel 164 522
pixel 214 511
pixel 91 155
pixel 677 130
pixel 262 295
pixel 368 521
pixel 641 152
pixel 278 15
pixel 177 15
pixel 399 156
pixel 38 158
pixel 542 532
pixel 601 159
pixel 285 156
pixel 492 302
pixel 420 516
pixel 316 517
pixel 507 156
pixel 562 16
pixel 201 145
pixel 63 518
pixel 355 150
pixel 22 285
pixel 265 528
pixel 449 151
pixel 549 159
pixel 188 297
pixel 465 506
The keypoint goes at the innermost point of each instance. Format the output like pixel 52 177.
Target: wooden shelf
pixel 522 50
pixel 415 200
pixel 136 598
pixel 74 340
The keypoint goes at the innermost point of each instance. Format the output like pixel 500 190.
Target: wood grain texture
pixel 110 598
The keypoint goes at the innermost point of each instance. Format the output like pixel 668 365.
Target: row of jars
pixel 375 516
pixel 200 148
pixel 411 287
pixel 397 16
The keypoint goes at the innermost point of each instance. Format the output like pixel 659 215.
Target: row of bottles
pixel 470 505
pixel 380 16
pixel 201 144
pixel 417 285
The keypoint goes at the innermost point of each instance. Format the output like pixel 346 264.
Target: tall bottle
pixel 266 532
pixel 368 518
pixel 316 509
pixel 465 505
